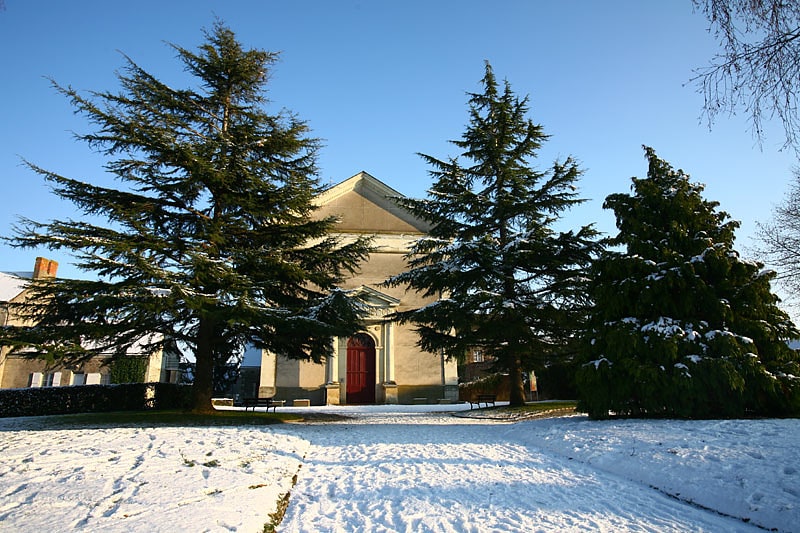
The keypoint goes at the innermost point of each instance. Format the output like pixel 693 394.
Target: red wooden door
pixel 360 369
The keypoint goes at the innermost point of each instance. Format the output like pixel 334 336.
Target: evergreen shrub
pixel 41 401
pixel 681 325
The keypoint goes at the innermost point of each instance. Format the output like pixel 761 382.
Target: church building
pixel 382 363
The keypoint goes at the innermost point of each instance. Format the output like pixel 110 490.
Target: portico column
pixel 332 387
pixel 333 362
pixel 389 351
pixel 389 385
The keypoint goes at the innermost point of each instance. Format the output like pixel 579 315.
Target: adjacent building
pixel 17 371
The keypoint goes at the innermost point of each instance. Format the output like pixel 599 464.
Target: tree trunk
pixel 516 385
pixel 202 388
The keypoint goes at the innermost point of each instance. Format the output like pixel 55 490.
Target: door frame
pixel 367 394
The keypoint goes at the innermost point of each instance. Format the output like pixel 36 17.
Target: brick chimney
pixel 44 268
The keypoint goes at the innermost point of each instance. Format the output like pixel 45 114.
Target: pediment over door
pixel 380 304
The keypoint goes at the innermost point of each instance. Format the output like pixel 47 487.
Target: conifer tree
pixel 505 279
pixel 210 243
pixel 681 325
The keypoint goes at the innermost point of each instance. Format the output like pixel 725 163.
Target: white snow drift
pixel 404 468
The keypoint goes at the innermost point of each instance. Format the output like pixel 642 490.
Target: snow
pixel 665 326
pixel 404 468
pixel 747 469
pixel 598 362
pixel 11 286
pixel 725 333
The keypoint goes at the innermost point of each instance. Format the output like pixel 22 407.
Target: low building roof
pixel 11 285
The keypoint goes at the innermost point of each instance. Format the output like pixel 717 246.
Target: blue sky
pixel 379 81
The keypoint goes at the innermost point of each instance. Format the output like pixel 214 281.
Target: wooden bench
pixel 261 402
pixel 483 398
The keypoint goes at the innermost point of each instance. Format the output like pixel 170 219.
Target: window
pixel 52 379
pixel 78 378
pixel 35 379
pixel 477 355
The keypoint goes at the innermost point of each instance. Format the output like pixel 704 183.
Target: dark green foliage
pixel 508 281
pixel 682 326
pixel 128 369
pixel 225 376
pixel 556 381
pixel 43 401
pixel 210 242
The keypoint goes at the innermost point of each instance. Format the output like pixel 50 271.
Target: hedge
pixel 497 384
pixel 39 401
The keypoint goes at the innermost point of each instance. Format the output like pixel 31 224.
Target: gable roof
pixel 363 204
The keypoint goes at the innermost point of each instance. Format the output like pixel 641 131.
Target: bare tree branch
pixel 779 241
pixel 758 68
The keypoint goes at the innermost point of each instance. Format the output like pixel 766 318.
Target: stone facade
pixel 391 367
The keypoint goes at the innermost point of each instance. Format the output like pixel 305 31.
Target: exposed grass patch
pixel 534 410
pixel 175 418
pixel 539 407
pixel 524 412
pixel 187 462
pixel 276 518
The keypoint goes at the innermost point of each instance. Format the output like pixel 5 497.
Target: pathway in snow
pixel 406 472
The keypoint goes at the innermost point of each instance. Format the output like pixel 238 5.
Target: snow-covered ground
pixel 404 468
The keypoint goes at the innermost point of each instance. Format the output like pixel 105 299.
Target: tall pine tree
pixel 211 244
pixel 682 326
pixel 507 281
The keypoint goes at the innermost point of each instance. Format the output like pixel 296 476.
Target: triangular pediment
pixel 364 204
pixel 375 298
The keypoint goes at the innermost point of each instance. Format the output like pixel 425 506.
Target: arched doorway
pixel 360 369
